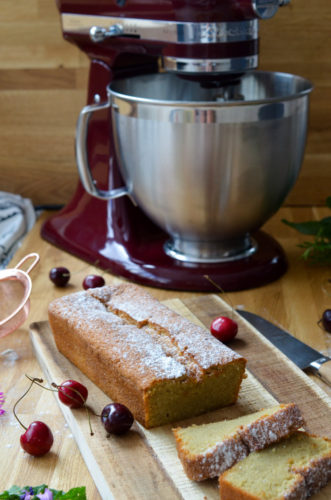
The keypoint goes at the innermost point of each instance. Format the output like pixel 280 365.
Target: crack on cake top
pixel 193 343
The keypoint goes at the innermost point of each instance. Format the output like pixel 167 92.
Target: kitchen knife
pixel 304 356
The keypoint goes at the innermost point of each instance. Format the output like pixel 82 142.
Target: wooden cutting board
pixel 144 463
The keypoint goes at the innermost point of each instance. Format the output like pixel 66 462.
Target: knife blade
pixel 304 356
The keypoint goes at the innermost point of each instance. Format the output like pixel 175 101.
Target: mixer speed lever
pixel 99 34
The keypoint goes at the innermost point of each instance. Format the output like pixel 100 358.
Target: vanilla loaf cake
pixel 142 354
pixel 207 450
pixel 292 469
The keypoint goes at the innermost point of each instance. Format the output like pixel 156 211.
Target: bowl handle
pixel 82 158
pixel 30 256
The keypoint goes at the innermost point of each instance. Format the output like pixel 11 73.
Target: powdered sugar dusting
pixel 244 438
pixel 132 300
pixel 145 336
pixel 196 342
pixel 216 460
pixel 147 355
pixel 223 456
pixel 271 428
pixel 200 344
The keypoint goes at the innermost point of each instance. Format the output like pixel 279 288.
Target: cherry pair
pixel 61 275
pixel 38 439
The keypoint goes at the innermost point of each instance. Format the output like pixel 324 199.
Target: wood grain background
pixel 43 82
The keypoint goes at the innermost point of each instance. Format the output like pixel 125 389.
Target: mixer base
pixel 118 237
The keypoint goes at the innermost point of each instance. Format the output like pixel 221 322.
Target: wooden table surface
pixel 295 302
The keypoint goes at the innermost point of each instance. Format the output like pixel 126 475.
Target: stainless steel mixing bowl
pixel 208 165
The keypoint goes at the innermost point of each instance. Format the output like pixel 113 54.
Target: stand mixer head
pixel 208 47
pixel 205 39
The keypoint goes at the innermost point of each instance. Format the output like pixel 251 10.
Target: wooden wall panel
pixel 43 82
pixel 297 40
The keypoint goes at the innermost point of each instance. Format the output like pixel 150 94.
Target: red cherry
pixel 72 393
pixel 37 439
pixel 93 281
pixel 59 276
pixel 116 418
pixel 326 320
pixel 224 328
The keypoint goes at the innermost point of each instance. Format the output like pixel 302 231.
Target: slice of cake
pixel 142 354
pixel 293 469
pixel 207 450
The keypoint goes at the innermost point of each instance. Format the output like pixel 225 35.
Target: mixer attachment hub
pixel 207 252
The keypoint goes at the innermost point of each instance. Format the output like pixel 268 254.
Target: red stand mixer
pixel 204 43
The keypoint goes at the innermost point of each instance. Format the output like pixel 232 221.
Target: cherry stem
pixel 33 381
pixel 38 381
pixel 89 419
pixel 58 389
pixel 319 324
pixel 93 413
pixel 220 289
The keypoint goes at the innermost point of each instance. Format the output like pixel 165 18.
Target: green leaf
pixel 311 227
pixel 318 250
pixel 15 492
pixel 12 494
pixel 326 227
pixel 78 493
pixel 37 489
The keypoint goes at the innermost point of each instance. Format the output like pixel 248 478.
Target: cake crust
pixel 143 354
pixel 245 438
pixel 307 478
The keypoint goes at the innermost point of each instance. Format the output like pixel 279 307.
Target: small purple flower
pixel 47 495
pixel 27 495
pixel 2 400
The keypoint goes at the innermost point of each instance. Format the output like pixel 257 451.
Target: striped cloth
pixel 17 217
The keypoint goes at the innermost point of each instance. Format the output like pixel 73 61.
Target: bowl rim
pixel 114 94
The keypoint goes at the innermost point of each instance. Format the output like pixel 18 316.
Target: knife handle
pixel 324 371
